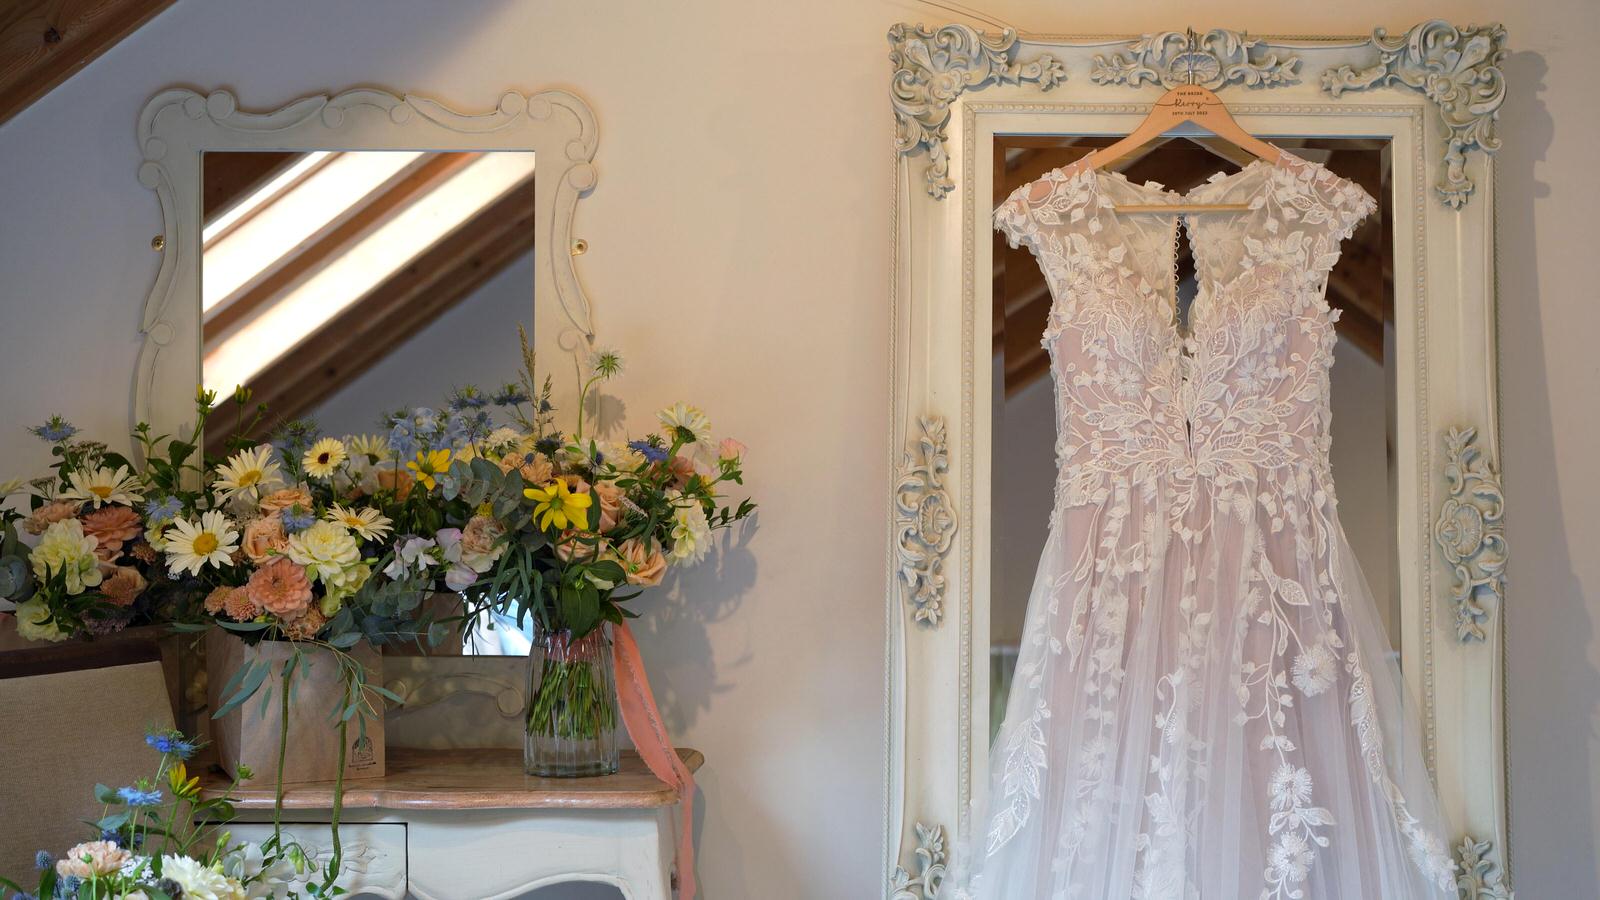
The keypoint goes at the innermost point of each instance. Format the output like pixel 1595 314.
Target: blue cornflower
pixel 649 451
pixel 136 797
pixel 55 430
pixel 111 837
pixel 43 860
pixel 171 742
pixel 23 896
pixel 510 395
pixel 467 397
pixel 67 887
pixel 296 519
pixel 164 510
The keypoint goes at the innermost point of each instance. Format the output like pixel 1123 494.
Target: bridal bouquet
pixel 158 839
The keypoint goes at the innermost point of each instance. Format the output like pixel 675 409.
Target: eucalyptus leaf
pixel 252 682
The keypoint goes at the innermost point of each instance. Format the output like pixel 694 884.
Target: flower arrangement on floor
pixel 555 531
pixel 159 839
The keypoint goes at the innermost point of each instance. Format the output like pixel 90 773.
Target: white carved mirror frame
pixel 1434 93
pixel 178 126
pixel 475 701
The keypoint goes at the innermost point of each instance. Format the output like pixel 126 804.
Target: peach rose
pixel 535 468
pixel 478 548
pixel 575 544
pixel 731 449
pixel 264 538
pixel 608 497
pixel 397 480
pixel 278 500
pixel 281 588
pixel 49 514
pixel 124 586
pixel 645 563
pixel 682 470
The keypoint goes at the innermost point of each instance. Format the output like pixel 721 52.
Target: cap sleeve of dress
pixel 1345 203
pixel 1014 218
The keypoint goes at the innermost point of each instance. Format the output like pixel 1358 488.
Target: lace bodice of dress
pixel 1243 395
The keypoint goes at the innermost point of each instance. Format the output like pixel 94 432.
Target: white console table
pixel 469 825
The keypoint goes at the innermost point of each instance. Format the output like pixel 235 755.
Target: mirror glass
pixel 340 285
pixel 1363 378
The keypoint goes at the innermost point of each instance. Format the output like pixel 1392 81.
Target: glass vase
pixel 571 719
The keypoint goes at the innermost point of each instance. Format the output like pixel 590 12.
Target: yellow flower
pixel 559 505
pixel 324 457
pixel 428 464
pixel 182 785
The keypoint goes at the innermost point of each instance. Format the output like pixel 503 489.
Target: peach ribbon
pixel 643 719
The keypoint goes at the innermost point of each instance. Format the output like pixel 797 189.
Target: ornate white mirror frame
pixel 1434 93
pixel 178 126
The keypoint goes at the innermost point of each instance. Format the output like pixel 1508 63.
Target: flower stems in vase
pixel 572 706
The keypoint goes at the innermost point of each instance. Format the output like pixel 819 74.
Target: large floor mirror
pixel 978 114
pixel 1023 415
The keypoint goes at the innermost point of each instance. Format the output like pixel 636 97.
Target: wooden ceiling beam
pixel 44 42
pixel 394 311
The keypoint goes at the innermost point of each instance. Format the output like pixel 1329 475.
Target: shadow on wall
pixel 1552 690
pixel 675 617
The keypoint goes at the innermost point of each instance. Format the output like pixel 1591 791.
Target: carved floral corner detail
pixel 933 68
pixel 1480 877
pixel 1459 70
pixel 925 521
pixel 1471 532
pixel 1216 58
pixel 929 865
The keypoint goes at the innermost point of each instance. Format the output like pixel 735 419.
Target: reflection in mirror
pixel 337 286
pixel 1361 288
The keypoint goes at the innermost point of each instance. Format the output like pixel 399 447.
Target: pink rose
pixel 731 449
pixel 264 538
pixel 644 563
pixel 609 498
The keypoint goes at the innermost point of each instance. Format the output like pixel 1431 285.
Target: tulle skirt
pixel 1204 708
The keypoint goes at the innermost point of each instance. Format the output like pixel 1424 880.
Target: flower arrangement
pixel 554 530
pixel 160 839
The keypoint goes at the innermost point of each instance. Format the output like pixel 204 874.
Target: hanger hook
pixel 1194 46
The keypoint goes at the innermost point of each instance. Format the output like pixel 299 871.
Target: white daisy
pixel 246 470
pixel 369 448
pixel 191 546
pixel 689 422
pixel 103 486
pixel 324 457
pixel 367 522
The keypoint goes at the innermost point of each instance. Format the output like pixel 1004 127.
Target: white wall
pixel 739 241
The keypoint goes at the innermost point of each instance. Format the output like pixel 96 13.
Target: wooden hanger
pixel 1184 104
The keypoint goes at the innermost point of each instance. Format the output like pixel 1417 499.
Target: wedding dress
pixel 1203 706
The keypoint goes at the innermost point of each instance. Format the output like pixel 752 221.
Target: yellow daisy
pixel 247 470
pixel 556 503
pixel 367 522
pixel 428 464
pixel 324 458
pixel 103 486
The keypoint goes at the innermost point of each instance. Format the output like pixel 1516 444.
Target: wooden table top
pixel 465 779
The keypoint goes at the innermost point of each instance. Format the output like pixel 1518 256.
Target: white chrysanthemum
pixel 32 625
pixel 367 522
pixel 328 551
pixel 193 545
pixel 199 881
pixel 66 550
pixel 103 486
pixel 324 457
pixel 246 470
pixel 691 534
pixel 1315 669
pixel 501 441
pixel 690 419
